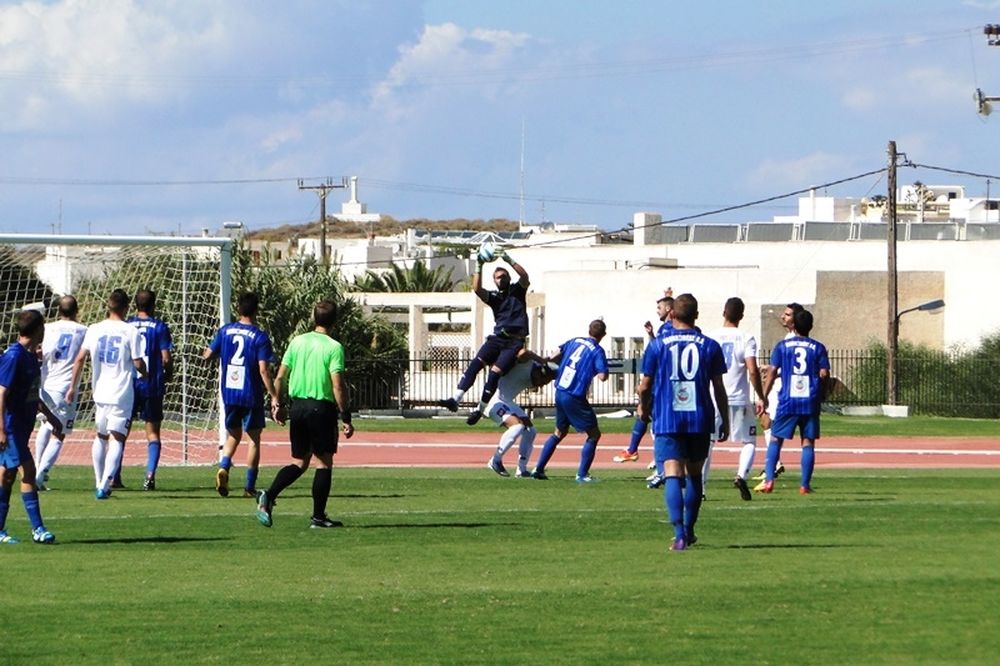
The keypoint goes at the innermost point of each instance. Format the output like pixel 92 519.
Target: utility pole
pixel 322 190
pixel 892 366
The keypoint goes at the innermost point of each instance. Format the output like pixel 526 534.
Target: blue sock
pixel 692 502
pixel 30 500
pixel 586 457
pixel 251 478
pixel 659 467
pixel 4 507
pixel 639 429
pixel 773 453
pixel 808 463
pixel 550 447
pixel 226 463
pixel 673 497
pixel 152 457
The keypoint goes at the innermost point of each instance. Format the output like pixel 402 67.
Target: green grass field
pixel 445 566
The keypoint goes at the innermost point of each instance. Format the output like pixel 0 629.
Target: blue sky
pixel 170 116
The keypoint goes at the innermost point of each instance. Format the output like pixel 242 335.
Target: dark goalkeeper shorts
pixel 313 427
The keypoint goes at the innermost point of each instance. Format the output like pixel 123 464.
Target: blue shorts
pixel 148 408
pixel 239 417
pixel 574 411
pixel 16 451
pixel 682 446
pixel 783 426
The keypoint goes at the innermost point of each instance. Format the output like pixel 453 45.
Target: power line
pixel 476 74
pixel 91 182
pixel 958 172
pixel 748 204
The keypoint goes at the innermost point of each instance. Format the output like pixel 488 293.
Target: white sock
pixel 115 449
pixel 507 439
pixel 458 395
pixel 98 453
pixel 525 448
pixel 49 456
pixel 41 442
pixel 746 459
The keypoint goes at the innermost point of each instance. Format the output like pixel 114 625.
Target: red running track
pixel 472 449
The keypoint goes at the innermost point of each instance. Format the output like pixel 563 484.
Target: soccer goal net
pixel 191 279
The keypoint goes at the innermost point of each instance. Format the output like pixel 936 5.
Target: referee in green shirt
pixel 312 370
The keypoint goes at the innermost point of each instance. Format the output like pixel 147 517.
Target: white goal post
pixel 192 280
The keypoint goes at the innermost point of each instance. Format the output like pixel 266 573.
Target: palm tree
pixel 399 279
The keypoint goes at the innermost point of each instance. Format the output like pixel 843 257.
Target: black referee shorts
pixel 313 427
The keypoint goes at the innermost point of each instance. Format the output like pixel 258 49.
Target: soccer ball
pixel 486 253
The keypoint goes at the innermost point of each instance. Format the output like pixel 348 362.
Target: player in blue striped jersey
pixel 580 360
pixel 804 368
pixel 156 349
pixel 20 377
pixel 244 352
pixel 680 372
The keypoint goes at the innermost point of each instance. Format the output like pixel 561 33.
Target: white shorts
pixel 501 410
pixel 112 418
pixel 64 412
pixel 742 424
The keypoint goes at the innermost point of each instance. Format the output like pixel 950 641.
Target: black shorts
pixel 500 351
pixel 313 427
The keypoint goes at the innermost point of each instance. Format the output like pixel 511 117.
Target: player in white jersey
pixel 740 351
pixel 788 323
pixel 60 348
pixel 114 348
pixel 530 371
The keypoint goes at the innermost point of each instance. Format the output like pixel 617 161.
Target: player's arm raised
pixel 522 273
pixel 477 283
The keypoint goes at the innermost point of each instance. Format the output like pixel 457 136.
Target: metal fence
pixel 937 383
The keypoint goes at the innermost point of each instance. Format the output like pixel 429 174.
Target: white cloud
pixel 449 55
pixel 80 55
pixel 799 172
pixel 916 87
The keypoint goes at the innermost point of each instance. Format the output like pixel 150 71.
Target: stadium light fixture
pixel 984 106
pixel 929 306
pixel 893 361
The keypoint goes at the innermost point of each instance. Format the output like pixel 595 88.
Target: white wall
pixel 580 284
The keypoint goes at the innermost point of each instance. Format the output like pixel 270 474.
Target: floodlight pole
pixel 892 364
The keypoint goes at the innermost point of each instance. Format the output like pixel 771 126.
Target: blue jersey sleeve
pixel 8 366
pixel 602 361
pixel 166 341
pixel 650 358
pixel 264 350
pixel 216 343
pixel 717 363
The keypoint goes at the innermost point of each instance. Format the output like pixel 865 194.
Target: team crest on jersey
pixel 800 386
pixel 235 375
pixel 684 396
